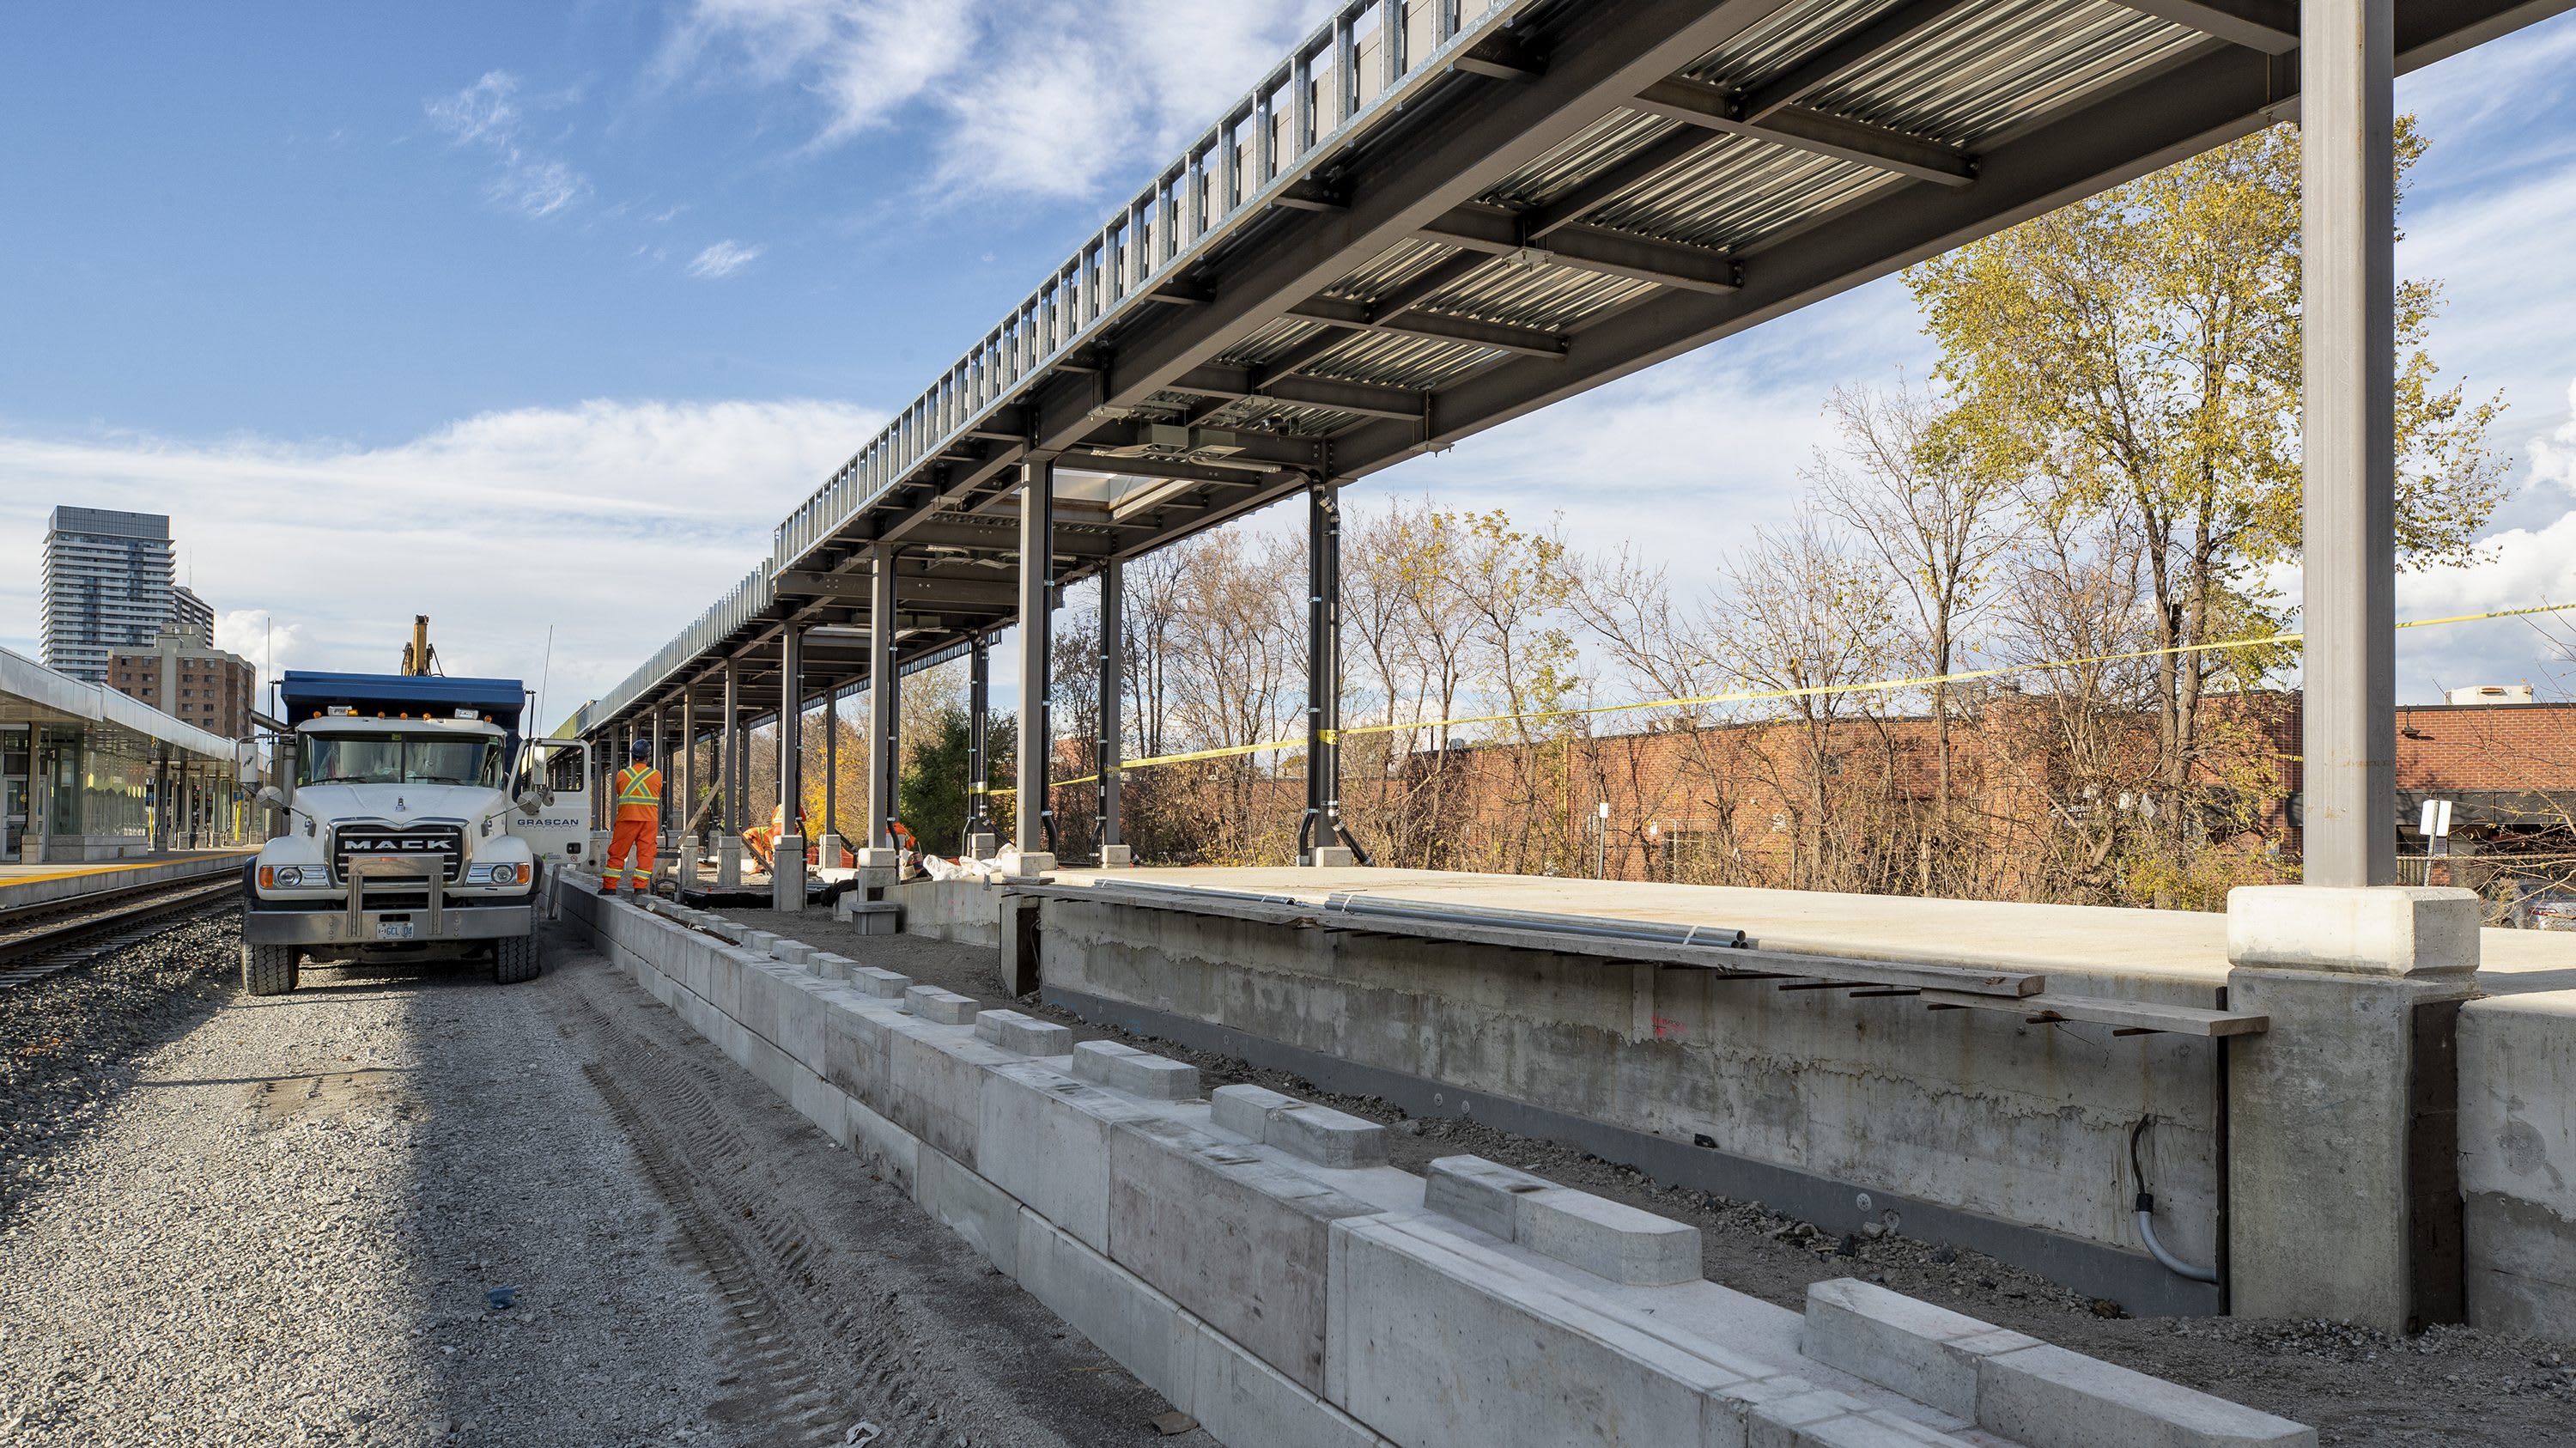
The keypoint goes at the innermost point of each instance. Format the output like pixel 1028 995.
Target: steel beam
pixel 2347 441
pixel 1714 108
pixel 2270 26
pixel 1320 833
pixel 1037 610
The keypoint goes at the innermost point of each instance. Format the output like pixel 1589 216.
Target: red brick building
pixel 187 677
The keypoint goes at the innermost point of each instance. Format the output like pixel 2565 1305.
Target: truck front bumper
pixel 337 925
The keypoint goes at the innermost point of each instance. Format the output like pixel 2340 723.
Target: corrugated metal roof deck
pixel 1381 248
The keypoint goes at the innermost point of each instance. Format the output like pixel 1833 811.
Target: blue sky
pixel 528 315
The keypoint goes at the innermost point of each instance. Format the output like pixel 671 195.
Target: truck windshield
pixel 399 759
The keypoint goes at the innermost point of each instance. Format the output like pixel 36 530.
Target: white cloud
pixel 1046 98
pixel 724 259
pixel 616 523
pixel 2553 453
pixel 486 114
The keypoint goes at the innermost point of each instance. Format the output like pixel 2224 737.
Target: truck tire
pixel 268 970
pixel 515 960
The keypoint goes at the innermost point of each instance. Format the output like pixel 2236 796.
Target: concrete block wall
pixel 965 911
pixel 1279 1281
pixel 1972 1127
pixel 2517 1061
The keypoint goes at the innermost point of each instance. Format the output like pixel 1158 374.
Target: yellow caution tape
pixel 1752 696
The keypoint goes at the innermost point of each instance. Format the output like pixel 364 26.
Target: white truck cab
pixel 409 832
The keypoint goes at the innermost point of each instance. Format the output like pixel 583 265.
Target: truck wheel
pixel 268 970
pixel 515 960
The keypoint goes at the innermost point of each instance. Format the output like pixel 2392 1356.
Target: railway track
pixel 53 936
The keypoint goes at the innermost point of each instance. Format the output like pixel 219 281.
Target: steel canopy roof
pixel 1424 222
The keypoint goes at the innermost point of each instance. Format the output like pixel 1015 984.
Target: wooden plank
pixel 2104 1011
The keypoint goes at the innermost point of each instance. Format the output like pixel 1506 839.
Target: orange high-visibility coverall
pixel 762 840
pixel 638 828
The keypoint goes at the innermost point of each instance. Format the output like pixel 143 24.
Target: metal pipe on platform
pixel 2347 432
pixel 729 780
pixel 1037 589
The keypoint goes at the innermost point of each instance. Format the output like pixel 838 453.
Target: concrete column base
pixel 831 853
pixel 686 866
pixel 728 859
pixel 2343 1133
pixel 1116 857
pixel 1037 864
pixel 1331 857
pixel 979 847
pixel 787 878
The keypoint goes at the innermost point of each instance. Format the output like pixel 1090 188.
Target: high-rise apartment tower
pixel 106 587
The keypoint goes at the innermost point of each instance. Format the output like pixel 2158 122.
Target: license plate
pixel 393 930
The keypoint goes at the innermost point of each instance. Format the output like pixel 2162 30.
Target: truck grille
pixel 446 842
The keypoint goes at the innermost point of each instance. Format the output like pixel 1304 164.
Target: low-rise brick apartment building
pixel 185 676
pixel 2045 802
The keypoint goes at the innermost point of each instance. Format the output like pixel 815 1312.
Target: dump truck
pixel 410 822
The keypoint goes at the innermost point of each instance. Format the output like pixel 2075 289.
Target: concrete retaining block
pixel 943 1007
pixel 2017 1386
pixel 1146 1332
pixel 1023 1033
pixel 1437 1342
pixel 1044 1137
pixel 854 1048
pixel 1927 1353
pixel 794 952
pixel 1242 1400
pixel 833 967
pixel 934 1085
pixel 758 940
pixel 1606 1238
pixel 1302 1129
pixel 1156 1078
pixel 1483 1194
pixel 878 981
pixel 2048 1397
pixel 972 1207
pixel 1239 1241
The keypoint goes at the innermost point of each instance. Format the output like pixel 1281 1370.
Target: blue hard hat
pixel 640 749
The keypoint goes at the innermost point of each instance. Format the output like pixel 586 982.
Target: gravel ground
pixel 2448 1386
pixel 282 1221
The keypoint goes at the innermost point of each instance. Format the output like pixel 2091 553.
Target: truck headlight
pixel 289 876
pixel 497 874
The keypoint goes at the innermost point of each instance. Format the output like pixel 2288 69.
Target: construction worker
pixel 639 823
pixel 762 840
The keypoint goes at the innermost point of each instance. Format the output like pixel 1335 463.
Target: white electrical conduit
pixel 2147 1218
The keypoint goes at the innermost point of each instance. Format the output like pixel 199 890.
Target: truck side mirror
pixel 271 797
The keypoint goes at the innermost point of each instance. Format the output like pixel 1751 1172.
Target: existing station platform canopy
pixel 90 774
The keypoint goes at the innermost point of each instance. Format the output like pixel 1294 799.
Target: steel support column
pixel 1113 654
pixel 1037 636
pixel 729 780
pixel 684 838
pixel 2348 441
pixel 830 844
pixel 787 852
pixel 979 771
pixel 1320 834
pixel 885 760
